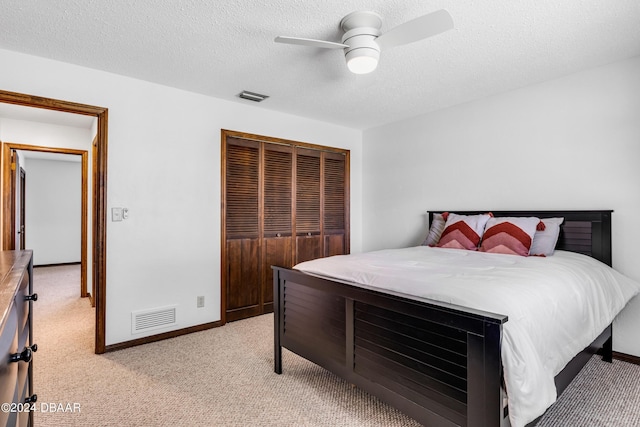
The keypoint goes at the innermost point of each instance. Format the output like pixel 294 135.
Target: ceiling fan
pixel 363 40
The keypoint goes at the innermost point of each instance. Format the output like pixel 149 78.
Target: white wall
pixel 570 143
pixel 53 211
pixel 164 165
pixel 45 134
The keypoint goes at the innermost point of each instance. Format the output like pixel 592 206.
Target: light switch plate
pixel 116 214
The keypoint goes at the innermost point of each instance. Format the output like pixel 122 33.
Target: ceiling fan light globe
pixel 362 61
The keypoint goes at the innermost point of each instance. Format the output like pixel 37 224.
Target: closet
pixel 283 202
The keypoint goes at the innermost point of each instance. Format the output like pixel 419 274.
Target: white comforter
pixel 556 305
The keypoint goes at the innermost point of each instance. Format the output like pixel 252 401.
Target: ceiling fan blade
pixel 417 29
pixel 310 42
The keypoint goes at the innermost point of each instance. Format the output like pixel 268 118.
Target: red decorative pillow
pixel 463 231
pixel 510 235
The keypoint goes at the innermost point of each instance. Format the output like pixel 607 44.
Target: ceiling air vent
pixel 252 96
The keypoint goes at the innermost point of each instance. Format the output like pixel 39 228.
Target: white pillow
pixel 437 227
pixel 544 242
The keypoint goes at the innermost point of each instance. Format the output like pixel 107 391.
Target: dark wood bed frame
pixel 438 363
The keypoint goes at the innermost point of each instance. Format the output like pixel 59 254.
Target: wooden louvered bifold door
pixel 242 221
pixel 283 203
pixel 334 212
pixel 277 232
pixel 308 203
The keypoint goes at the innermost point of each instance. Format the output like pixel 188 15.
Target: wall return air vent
pixel 145 320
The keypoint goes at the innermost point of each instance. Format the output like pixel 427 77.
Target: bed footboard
pixel 437 363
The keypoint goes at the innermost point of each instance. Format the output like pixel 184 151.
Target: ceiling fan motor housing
pixel 361 42
pixel 360 31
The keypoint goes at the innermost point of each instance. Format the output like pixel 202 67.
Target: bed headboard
pixel 585 232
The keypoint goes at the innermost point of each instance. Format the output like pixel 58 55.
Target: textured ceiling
pixel 220 48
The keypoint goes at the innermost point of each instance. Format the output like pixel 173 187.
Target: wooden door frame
pixel 8 197
pixel 99 198
pixel 94 216
pixel 12 183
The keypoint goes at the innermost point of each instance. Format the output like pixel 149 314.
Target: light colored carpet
pixel 224 377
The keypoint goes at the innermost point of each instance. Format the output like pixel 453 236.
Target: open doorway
pixel 70 244
pixel 99 202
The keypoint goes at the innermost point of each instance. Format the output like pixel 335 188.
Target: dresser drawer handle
pixel 33 297
pixel 26 355
pixel 32 399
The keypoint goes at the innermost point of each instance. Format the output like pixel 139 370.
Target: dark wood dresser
pixel 16 338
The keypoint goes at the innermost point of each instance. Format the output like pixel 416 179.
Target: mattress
pixel 556 305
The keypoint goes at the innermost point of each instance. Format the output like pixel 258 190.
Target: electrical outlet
pixel 200 302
